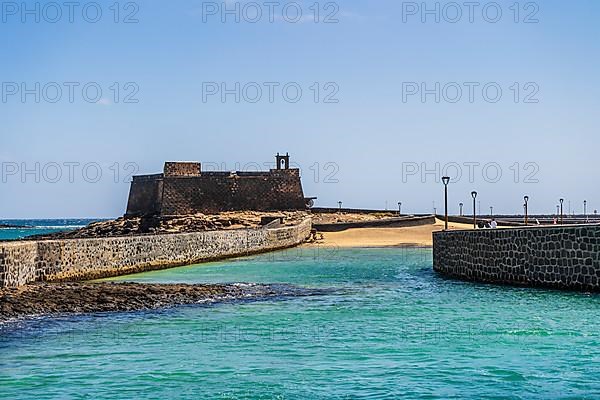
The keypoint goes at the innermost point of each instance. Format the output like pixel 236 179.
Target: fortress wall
pixel 145 195
pixel 83 259
pixel 563 257
pixel 279 190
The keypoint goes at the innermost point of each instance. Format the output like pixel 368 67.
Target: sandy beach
pixel 386 237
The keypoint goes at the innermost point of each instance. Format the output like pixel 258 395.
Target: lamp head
pixel 526 198
pixel 474 194
pixel 561 201
pixel 446 180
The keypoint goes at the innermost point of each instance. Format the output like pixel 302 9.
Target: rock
pixel 61 298
pixel 155 225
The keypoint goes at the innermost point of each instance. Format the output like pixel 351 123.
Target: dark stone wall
pixel 145 195
pixel 335 210
pixel 182 193
pixel 563 257
pixel 210 193
pixel 402 222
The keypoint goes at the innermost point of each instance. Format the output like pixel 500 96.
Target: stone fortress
pixel 184 189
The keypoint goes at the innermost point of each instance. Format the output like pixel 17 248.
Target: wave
pixel 42 227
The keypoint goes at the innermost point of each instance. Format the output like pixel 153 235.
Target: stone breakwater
pixel 562 257
pixel 64 298
pixel 24 262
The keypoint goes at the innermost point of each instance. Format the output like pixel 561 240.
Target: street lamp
pixel 491 211
pixel 340 205
pixel 461 206
pixel 526 198
pixel 445 181
pixel 474 195
pixel 561 210
pixel 585 210
pixel 399 208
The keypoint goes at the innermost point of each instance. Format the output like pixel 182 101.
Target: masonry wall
pixel 401 222
pixel 182 168
pixel 182 191
pixel 215 192
pixel 145 195
pixel 82 259
pixel 17 262
pixel 564 257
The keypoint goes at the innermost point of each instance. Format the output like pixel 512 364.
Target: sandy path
pixel 386 237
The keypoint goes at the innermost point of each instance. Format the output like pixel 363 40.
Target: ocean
pixel 385 327
pixel 29 227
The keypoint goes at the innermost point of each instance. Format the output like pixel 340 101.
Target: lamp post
pixel 340 205
pixel 491 211
pixel 474 195
pixel 445 181
pixel 561 210
pixel 460 205
pixel 399 208
pixel 585 210
pixel 526 198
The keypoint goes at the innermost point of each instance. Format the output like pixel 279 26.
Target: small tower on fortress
pixel 283 162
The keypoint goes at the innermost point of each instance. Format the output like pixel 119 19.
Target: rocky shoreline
pixel 74 298
pixel 166 225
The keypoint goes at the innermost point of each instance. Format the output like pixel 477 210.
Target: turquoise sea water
pixel 29 227
pixel 386 327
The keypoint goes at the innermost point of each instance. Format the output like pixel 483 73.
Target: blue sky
pixel 370 146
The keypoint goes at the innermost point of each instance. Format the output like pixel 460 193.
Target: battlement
pixel 182 169
pixel 184 189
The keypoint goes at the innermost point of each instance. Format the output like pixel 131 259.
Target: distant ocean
pixel 28 227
